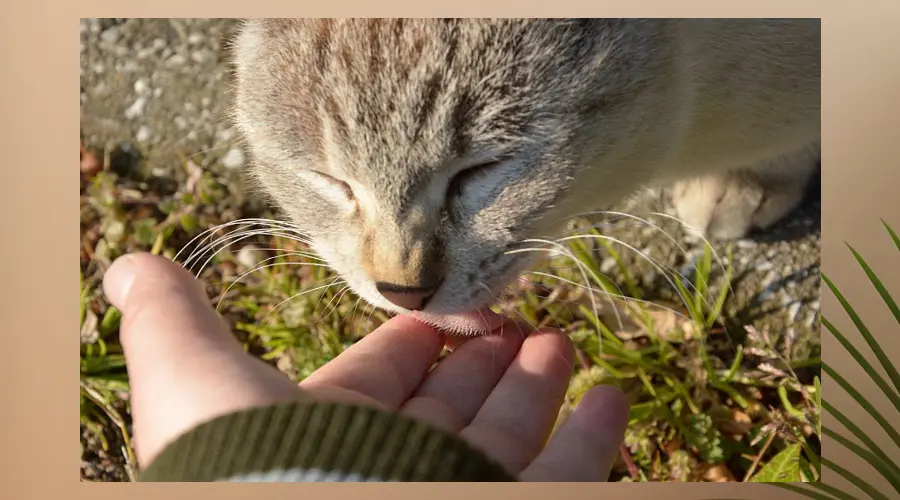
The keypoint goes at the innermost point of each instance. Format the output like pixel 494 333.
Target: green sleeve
pixel 304 441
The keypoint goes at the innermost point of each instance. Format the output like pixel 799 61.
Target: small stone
pixel 225 135
pixel 136 109
pixel 144 133
pixel 234 158
pixel 157 92
pixel 158 43
pixel 201 56
pixel 180 122
pixel 121 51
pixel 176 60
pixel 98 68
pixel 195 38
pixel 111 35
pixel 607 265
pixel 793 311
pixel 249 257
pixel 141 86
pixel 205 102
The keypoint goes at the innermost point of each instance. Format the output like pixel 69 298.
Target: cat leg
pixel 730 205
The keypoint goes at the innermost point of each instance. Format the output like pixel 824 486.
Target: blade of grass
pixel 855 480
pixel 839 494
pixel 856 431
pixel 862 401
pixel 869 369
pixel 811 494
pixel 888 470
pixel 895 310
pixel 892 233
pixel 867 335
pixel 734 365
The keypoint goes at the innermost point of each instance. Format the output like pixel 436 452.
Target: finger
pixel 387 365
pixel 516 419
pixel 585 446
pixel 184 365
pixel 454 391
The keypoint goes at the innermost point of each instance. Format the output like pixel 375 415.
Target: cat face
pixel 418 154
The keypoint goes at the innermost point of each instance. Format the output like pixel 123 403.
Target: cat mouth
pixel 466 324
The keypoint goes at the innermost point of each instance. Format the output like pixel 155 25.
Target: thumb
pixel 184 365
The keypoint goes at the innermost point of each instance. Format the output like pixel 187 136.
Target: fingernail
pixel 118 280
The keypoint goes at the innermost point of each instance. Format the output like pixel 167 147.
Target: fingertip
pixel 556 340
pixel 118 279
pixel 129 269
pixel 608 405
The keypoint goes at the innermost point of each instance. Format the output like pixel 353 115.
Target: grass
pixel 704 408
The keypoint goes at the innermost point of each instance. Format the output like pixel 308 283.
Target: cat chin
pixel 468 324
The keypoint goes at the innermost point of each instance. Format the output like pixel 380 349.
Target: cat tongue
pixel 478 322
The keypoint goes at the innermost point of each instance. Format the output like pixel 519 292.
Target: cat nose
pixel 407 297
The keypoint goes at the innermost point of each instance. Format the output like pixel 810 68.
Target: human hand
pixel 501 393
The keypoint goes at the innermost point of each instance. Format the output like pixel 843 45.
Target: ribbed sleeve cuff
pixel 305 441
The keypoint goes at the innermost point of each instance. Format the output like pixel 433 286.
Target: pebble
pixel 249 257
pixel 195 38
pixel 136 109
pixel 225 135
pixel 144 133
pixel 176 60
pixel 111 35
pixel 793 311
pixel 201 56
pixel 234 158
pixel 141 86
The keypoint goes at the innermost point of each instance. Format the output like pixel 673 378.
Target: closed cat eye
pixel 464 176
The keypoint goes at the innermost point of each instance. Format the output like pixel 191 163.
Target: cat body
pixel 418 154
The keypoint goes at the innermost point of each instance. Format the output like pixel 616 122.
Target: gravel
pixel 160 87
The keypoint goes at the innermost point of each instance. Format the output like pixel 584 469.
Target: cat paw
pixel 729 207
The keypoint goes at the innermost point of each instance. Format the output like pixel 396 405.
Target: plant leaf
pixel 888 428
pixel 783 468
pixel 856 480
pixel 887 469
pixel 892 305
pixel 873 344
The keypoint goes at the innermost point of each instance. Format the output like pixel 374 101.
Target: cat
pixel 418 154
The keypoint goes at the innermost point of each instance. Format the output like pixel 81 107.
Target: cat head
pixel 416 155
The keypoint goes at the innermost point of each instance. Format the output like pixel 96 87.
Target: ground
pixel 160 164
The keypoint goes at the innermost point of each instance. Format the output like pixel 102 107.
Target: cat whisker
pixel 563 251
pixel 236 237
pixel 662 268
pixel 208 232
pixel 233 237
pixel 665 233
pixel 268 266
pixel 705 241
pixel 622 297
pixel 277 306
pixel 336 300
